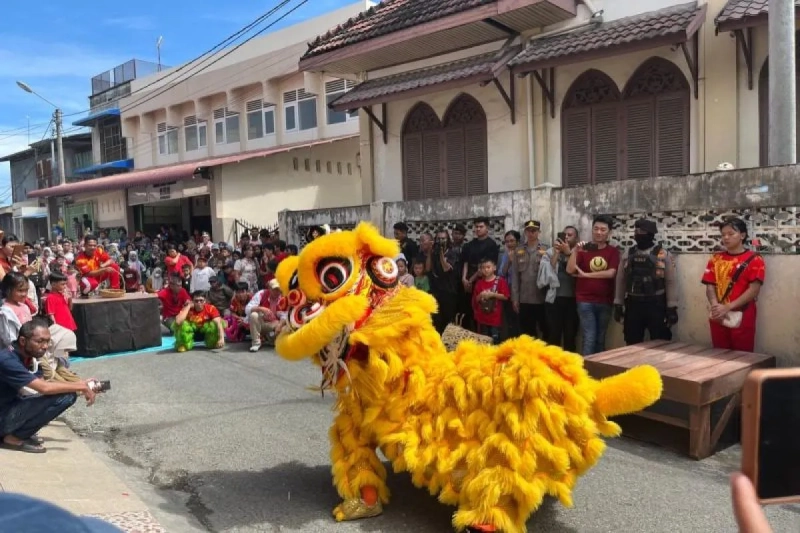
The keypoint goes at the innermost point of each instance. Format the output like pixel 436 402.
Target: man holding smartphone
pixel 562 312
pixel 594 265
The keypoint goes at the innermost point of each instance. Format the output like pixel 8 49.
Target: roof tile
pixel 651 25
pixel 387 17
pixel 736 10
pixel 424 77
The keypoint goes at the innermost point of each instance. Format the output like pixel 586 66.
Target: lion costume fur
pixel 489 429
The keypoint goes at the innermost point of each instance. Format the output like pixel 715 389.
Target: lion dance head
pixel 330 291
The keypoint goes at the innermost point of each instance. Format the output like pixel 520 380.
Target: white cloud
pixel 133 22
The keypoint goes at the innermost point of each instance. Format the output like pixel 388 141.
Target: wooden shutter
pixel 455 175
pixel 639 145
pixel 605 142
pixel 672 134
pixel 575 147
pixel 432 165
pixel 412 166
pixel 477 159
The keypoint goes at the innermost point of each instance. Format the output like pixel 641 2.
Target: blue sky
pixel 56 47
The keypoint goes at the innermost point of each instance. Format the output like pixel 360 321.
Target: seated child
pixel 238 323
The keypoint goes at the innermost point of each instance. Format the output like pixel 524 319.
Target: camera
pixel 100 386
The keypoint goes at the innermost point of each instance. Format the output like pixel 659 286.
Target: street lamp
pixel 57 119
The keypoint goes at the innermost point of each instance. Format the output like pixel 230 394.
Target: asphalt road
pixel 233 441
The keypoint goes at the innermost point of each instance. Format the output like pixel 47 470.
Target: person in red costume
pixel 96 267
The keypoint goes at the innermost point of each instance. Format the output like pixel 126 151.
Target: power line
pixel 221 57
pixel 201 57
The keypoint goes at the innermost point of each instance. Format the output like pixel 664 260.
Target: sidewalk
pixel 72 477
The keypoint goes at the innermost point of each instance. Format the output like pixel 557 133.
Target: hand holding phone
pixel 770 434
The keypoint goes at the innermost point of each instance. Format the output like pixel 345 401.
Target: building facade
pixel 37 168
pixel 560 110
pixel 243 137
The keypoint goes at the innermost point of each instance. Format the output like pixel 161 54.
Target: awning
pixel 33 215
pixel 741 14
pixel 415 83
pixel 664 27
pixel 94 117
pixel 122 163
pixel 165 174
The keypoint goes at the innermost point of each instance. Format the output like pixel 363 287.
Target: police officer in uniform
pixel 646 291
pixel 527 299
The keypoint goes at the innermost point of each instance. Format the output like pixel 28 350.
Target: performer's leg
pixel 184 335
pixel 210 334
pixel 112 277
pixel 358 474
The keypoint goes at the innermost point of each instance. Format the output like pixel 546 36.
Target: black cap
pixel 533 224
pixel 646 225
pixel 401 226
pixel 461 228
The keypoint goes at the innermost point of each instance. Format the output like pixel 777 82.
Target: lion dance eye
pixel 383 271
pixel 294 283
pixel 333 272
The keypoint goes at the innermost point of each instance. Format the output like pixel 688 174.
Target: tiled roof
pixel 736 10
pixel 417 79
pixel 387 17
pixel 674 20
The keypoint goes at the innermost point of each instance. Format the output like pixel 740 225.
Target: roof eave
pixel 749 22
pixel 414 93
pixel 319 61
pixel 683 36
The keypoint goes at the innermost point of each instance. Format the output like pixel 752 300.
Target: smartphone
pixel 18 249
pixel 590 246
pixel 771 434
pixel 561 236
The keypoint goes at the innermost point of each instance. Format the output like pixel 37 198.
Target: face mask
pixel 644 241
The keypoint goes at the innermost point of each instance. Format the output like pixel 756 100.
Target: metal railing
pixel 240 226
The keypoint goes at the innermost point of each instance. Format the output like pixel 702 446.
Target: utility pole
pixel 62 177
pixel 782 84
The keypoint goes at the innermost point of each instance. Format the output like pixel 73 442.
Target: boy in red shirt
pixel 487 297
pixel 57 305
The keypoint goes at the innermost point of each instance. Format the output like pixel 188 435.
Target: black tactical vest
pixel 644 273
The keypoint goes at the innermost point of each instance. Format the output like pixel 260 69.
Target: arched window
pixel 445 159
pixel 656 121
pixel 467 150
pixel 590 140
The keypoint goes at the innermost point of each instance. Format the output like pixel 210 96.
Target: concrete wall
pixel 110 209
pixel 256 190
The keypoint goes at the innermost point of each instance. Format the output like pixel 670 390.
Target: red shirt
pixel 131 278
pixel 175 264
pixel 721 267
pixel 596 291
pixel 171 303
pixel 495 318
pixel 56 305
pixel 89 263
pixel 207 314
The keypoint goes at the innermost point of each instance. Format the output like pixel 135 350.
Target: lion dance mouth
pixel 489 429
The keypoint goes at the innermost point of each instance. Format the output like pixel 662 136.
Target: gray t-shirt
pixel 566 282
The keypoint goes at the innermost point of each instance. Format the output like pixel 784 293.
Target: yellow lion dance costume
pixel 490 429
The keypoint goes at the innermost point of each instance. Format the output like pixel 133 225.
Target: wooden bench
pixel 693 376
